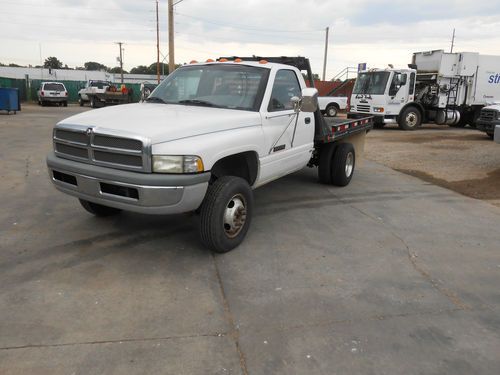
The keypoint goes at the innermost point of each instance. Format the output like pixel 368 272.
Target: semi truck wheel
pixel 226 213
pixel 343 164
pixel 331 110
pixel 98 209
pixel 410 119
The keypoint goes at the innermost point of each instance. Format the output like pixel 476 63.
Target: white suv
pixel 52 92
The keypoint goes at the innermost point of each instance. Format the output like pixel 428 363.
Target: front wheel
pixel 92 102
pixel 331 110
pixel 98 209
pixel 410 119
pixel 226 213
pixel 80 101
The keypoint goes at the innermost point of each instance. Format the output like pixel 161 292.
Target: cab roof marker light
pixel 238 60
pixel 209 61
pixel 263 62
pixel 193 62
pixel 222 60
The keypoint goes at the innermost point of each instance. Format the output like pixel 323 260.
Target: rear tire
pixel 343 164
pixel 325 163
pixel 331 110
pixel 65 104
pixel 92 102
pixel 226 213
pixel 80 101
pixel 99 209
pixel 410 119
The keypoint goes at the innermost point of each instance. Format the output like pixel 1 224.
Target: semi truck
pixel 205 137
pixel 444 88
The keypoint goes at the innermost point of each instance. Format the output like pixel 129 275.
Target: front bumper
pixel 147 193
pixel 487 126
pixel 378 119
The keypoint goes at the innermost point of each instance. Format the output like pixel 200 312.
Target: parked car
pixel 488 119
pixel 330 105
pixel 52 92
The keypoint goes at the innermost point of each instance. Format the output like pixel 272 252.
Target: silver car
pixel 52 92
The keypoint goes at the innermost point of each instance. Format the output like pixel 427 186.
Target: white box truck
pixel 446 88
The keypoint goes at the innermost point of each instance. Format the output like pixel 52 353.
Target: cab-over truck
pixel 205 137
pixel 446 88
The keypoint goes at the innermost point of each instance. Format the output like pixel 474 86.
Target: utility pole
pixel 171 57
pixel 121 60
pixel 452 41
pixel 326 54
pixel 157 44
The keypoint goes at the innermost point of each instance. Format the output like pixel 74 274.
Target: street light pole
pixel 171 57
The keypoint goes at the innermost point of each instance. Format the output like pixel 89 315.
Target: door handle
pixel 307 120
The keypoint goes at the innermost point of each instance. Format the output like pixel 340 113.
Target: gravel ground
pixel 463 160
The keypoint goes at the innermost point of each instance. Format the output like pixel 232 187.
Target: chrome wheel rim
pixel 411 119
pixel 235 216
pixel 332 112
pixel 349 164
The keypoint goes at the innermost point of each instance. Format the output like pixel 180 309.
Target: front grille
pixel 115 142
pixel 77 152
pixel 363 108
pixel 488 115
pixel 101 149
pixel 122 159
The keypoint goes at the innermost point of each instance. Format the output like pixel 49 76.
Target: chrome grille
pixel 115 142
pixel 362 108
pixel 122 159
pixel 78 143
pixel 488 115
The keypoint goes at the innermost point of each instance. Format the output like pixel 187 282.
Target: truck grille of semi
pixel 362 108
pixel 488 115
pixel 101 149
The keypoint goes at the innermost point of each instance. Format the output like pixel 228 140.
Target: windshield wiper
pixel 197 102
pixel 155 99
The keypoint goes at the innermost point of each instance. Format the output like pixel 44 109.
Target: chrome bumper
pixel 139 192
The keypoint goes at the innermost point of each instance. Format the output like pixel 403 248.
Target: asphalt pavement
pixel 389 275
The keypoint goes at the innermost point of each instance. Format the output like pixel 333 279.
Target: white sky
pixel 378 32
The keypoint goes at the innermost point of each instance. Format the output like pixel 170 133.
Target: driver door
pixel 288 135
pixel 398 92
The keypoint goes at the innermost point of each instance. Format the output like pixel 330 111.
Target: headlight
pixel 177 164
pixel 378 109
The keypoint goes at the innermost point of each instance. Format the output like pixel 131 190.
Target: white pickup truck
pixel 204 138
pixel 330 105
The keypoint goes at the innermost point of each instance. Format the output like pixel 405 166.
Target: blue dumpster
pixel 9 100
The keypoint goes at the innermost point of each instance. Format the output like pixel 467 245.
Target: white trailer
pixel 446 88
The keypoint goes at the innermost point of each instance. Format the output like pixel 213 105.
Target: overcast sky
pixel 378 32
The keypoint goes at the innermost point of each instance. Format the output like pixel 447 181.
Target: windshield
pixel 53 87
pixel 216 85
pixel 373 83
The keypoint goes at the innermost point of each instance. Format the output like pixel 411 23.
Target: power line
pixel 239 27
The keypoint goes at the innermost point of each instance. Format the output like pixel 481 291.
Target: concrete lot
pixel 390 275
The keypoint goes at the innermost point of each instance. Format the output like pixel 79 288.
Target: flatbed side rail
pixel 336 130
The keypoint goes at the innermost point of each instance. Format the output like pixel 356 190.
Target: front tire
pixel 99 209
pixel 92 102
pixel 226 213
pixel 410 119
pixel 80 101
pixel 331 110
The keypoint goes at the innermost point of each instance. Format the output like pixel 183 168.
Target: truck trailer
pixel 445 88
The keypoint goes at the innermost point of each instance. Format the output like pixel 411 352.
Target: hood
pixel 164 122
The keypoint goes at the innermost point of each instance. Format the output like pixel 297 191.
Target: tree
pixel 92 65
pixel 53 63
pixel 116 70
pixel 141 69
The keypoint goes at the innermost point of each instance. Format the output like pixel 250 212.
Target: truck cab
pixel 386 94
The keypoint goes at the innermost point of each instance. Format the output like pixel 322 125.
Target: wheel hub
pixel 349 164
pixel 235 216
pixel 411 119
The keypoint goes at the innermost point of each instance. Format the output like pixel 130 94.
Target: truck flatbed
pixel 334 129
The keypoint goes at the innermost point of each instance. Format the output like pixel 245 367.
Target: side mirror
pixel 309 102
